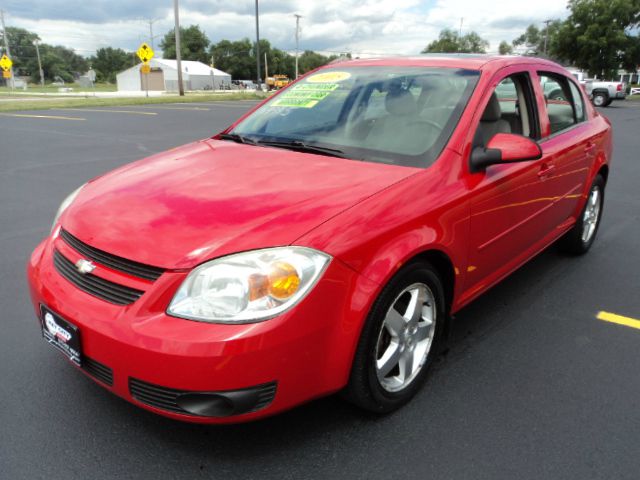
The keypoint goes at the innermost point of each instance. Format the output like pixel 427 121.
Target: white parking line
pixel 48 117
pixel 132 112
pixel 177 108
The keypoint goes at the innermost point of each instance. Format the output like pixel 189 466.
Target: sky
pixel 362 27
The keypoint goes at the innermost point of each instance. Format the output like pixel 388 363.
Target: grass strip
pixel 10 104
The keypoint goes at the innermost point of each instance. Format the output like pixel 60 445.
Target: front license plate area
pixel 61 334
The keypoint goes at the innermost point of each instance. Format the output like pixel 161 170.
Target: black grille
pixel 136 269
pixel 93 285
pixel 166 398
pixel 98 370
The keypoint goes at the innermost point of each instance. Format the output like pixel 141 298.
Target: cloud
pixel 363 27
pixel 96 11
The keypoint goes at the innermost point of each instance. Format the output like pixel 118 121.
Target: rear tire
pixel 579 239
pixel 399 340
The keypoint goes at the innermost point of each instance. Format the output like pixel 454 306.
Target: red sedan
pixel 322 242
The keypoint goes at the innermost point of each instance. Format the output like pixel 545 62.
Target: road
pixel 533 385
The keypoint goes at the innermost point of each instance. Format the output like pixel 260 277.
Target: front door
pixel 511 206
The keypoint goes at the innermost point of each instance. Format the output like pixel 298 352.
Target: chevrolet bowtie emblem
pixel 85 266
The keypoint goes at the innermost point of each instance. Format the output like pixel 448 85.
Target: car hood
pixel 211 198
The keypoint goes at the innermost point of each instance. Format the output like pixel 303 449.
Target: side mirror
pixel 504 148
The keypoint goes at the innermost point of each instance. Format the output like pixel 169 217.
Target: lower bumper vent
pixel 203 404
pixel 98 370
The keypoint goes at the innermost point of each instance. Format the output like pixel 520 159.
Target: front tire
pixel 399 341
pixel 579 239
pixel 601 99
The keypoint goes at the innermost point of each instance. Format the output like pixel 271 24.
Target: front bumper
pixel 302 354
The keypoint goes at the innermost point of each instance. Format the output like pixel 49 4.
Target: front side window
pixel 511 109
pixel 386 114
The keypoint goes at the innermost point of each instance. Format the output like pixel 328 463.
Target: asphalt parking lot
pixel 533 385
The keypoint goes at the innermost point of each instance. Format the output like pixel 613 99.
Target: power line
pixel 151 35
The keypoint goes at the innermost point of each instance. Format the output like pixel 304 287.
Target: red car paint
pixel 183 207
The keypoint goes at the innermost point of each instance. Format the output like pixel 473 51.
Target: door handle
pixel 546 170
pixel 590 147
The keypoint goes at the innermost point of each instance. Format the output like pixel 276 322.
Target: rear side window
pixel 578 102
pixel 559 97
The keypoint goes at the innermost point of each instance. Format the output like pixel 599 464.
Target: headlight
pixel 248 287
pixel 65 204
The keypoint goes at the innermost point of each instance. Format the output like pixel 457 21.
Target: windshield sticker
pixel 305 95
pixel 329 77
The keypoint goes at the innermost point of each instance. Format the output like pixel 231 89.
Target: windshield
pixel 396 115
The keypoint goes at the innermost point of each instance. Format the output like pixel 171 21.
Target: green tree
pixel 597 36
pixel 532 41
pixel 193 44
pixel 238 59
pixel 235 58
pixel 73 63
pixel 56 60
pixel 23 50
pixel 310 60
pixel 450 42
pixel 505 48
pixel 281 63
pixel 109 61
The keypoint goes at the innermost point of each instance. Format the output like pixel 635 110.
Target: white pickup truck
pixel 601 93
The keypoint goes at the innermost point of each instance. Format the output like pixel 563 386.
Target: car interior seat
pixel 491 123
pixel 401 130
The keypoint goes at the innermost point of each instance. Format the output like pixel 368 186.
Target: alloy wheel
pixel 405 337
pixel 591 214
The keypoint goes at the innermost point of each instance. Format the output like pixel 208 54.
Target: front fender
pixel 383 233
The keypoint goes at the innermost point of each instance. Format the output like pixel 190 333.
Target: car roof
pixel 449 60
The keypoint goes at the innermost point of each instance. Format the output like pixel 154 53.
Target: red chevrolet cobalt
pixel 322 242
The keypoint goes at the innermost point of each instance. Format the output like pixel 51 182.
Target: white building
pixel 164 77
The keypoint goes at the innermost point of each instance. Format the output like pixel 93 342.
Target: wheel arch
pixel 445 269
pixel 438 258
pixel 604 171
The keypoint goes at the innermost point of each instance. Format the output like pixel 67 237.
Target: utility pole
pixel 546 35
pixel 35 42
pixel 266 69
pixel 298 17
pixel 460 31
pixel 178 54
pixel 213 75
pixel 257 52
pixel 151 36
pixel 6 46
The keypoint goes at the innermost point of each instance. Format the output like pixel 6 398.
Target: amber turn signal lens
pixel 283 280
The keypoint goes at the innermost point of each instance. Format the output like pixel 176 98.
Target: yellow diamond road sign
pixel 145 53
pixel 5 63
